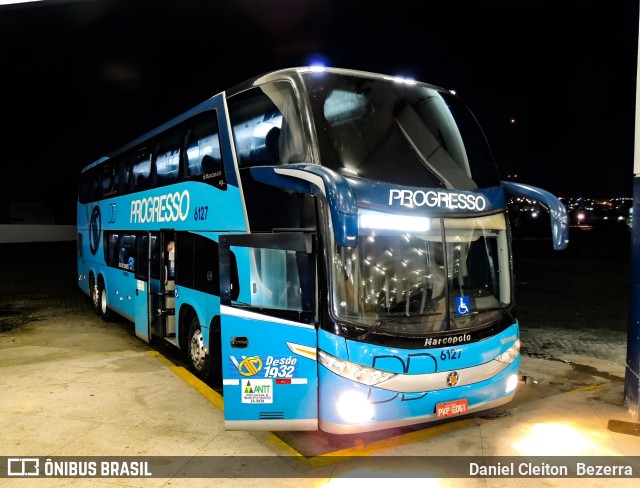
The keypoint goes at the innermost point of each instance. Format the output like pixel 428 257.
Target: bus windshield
pixel 450 274
pixel 411 134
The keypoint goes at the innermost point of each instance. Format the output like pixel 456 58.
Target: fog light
pixel 512 382
pixel 354 407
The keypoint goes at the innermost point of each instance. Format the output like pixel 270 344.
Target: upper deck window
pixel 141 170
pixel 167 156
pixel 203 152
pixel 407 134
pixel 266 126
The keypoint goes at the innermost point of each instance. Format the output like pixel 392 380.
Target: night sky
pixel 80 78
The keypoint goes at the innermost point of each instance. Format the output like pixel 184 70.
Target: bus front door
pixel 268 331
pixel 147 266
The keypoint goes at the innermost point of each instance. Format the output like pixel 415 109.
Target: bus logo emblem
pixel 23 466
pixel 250 366
pixel 453 378
pixel 95 225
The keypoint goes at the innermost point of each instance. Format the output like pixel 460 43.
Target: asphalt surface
pixel 576 301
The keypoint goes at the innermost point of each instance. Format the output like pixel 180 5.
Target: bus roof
pixel 256 80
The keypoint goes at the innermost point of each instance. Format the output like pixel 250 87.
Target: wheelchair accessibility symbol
pixel 463 306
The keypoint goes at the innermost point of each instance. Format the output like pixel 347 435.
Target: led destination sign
pixel 438 199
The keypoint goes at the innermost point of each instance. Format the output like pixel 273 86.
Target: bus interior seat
pixel 272 143
pixel 478 267
pixel 142 182
pixel 267 153
pixel 210 164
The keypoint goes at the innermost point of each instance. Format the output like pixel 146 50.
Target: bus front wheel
pixel 199 360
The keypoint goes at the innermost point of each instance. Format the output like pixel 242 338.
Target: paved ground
pixel 576 301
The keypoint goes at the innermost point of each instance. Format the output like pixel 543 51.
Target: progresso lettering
pixel 430 198
pixel 164 208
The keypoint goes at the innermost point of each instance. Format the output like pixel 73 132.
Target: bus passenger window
pixel 142 260
pixel 111 249
pixel 168 156
pixel 126 255
pixel 108 181
pixel 266 126
pixel 123 174
pixel 206 273
pixel 105 183
pixel 141 170
pixel 203 154
pixel 276 283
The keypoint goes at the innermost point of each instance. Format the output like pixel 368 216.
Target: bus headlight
pixel 352 371
pixel 354 407
pixel 510 354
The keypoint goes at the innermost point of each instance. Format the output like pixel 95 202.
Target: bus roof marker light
pixel 401 79
pixel 317 62
pixel 379 220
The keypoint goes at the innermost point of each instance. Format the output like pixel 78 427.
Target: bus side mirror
pixel 557 211
pixel 314 179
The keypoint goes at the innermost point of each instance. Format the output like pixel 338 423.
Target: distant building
pixel 32 221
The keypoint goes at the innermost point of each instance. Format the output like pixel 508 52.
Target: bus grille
pixel 271 415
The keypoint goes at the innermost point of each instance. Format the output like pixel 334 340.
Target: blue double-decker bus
pixel 330 246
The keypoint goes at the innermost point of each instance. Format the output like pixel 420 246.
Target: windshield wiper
pixel 491 309
pixel 395 318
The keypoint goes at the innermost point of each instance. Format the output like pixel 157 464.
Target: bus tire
pixel 103 310
pixel 94 293
pixel 199 360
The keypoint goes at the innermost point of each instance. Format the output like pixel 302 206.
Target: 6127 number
pixel 200 213
pixel 450 354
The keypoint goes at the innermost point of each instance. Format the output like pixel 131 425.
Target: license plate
pixel 451 409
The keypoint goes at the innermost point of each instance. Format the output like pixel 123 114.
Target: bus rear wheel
pixel 199 359
pixel 101 303
pixel 95 294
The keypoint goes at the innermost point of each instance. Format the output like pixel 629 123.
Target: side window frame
pixel 168 142
pixel 266 126
pixel 202 145
pixel 142 181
